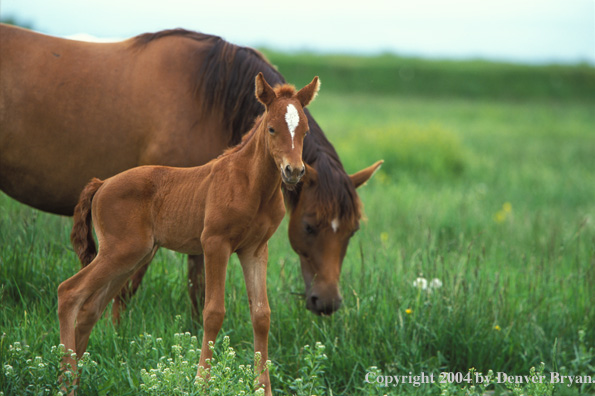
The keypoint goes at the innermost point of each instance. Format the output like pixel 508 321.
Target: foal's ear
pixel 309 92
pixel 264 92
pixel 364 175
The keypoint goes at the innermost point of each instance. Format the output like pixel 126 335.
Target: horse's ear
pixel 361 177
pixel 309 92
pixel 264 92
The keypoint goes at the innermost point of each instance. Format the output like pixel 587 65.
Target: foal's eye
pixel 309 229
pixel 271 130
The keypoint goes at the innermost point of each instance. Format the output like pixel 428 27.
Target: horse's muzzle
pixel 292 175
pixel 323 306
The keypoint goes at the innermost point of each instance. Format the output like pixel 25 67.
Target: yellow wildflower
pixel 500 217
pixel 502 214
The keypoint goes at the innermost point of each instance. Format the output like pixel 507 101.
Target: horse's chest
pixel 259 226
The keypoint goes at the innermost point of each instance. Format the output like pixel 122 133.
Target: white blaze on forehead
pixel 335 224
pixel 293 119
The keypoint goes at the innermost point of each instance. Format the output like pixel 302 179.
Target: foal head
pixel 286 125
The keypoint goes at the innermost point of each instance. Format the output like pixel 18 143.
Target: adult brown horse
pixel 232 204
pixel 70 111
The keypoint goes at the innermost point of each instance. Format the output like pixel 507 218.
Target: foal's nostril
pixel 313 301
pixel 303 171
pixel 288 170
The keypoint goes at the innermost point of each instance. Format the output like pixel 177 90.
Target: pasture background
pixel 487 185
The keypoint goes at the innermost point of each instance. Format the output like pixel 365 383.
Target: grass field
pixel 491 194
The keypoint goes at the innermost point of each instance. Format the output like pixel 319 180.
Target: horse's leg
pixel 91 310
pixel 196 283
pixel 72 294
pixel 216 254
pixel 254 265
pixel 87 285
pixel 128 290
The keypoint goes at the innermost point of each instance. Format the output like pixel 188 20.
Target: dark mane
pixel 245 139
pixel 336 195
pixel 225 82
pixel 225 78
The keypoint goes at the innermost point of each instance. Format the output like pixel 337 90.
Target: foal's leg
pixel 87 288
pixel 254 265
pixel 196 283
pixel 216 254
pixel 92 310
pixel 128 290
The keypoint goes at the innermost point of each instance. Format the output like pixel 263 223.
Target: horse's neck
pixel 316 146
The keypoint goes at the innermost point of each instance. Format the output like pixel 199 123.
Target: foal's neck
pixel 255 156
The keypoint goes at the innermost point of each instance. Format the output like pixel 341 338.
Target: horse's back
pixel 163 204
pixel 73 110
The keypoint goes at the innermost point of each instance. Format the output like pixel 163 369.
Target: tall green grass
pixel 492 197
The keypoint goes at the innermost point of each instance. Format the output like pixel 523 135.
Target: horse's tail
pixel 82 231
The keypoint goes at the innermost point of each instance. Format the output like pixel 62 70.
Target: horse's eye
pixel 309 229
pixel 307 132
pixel 271 130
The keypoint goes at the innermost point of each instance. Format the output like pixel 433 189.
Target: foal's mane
pixel 224 82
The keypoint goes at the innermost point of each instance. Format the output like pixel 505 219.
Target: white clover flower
pixel 435 283
pixel 420 283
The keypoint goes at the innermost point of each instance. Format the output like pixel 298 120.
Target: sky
pixel 525 31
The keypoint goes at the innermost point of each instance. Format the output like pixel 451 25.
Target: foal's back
pixel 153 205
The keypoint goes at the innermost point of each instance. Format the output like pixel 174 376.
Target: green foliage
pixel 311 374
pixel 408 150
pixel 176 374
pixel 25 373
pixel 532 387
pixel 394 75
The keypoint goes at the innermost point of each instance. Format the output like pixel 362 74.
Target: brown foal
pixel 232 204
